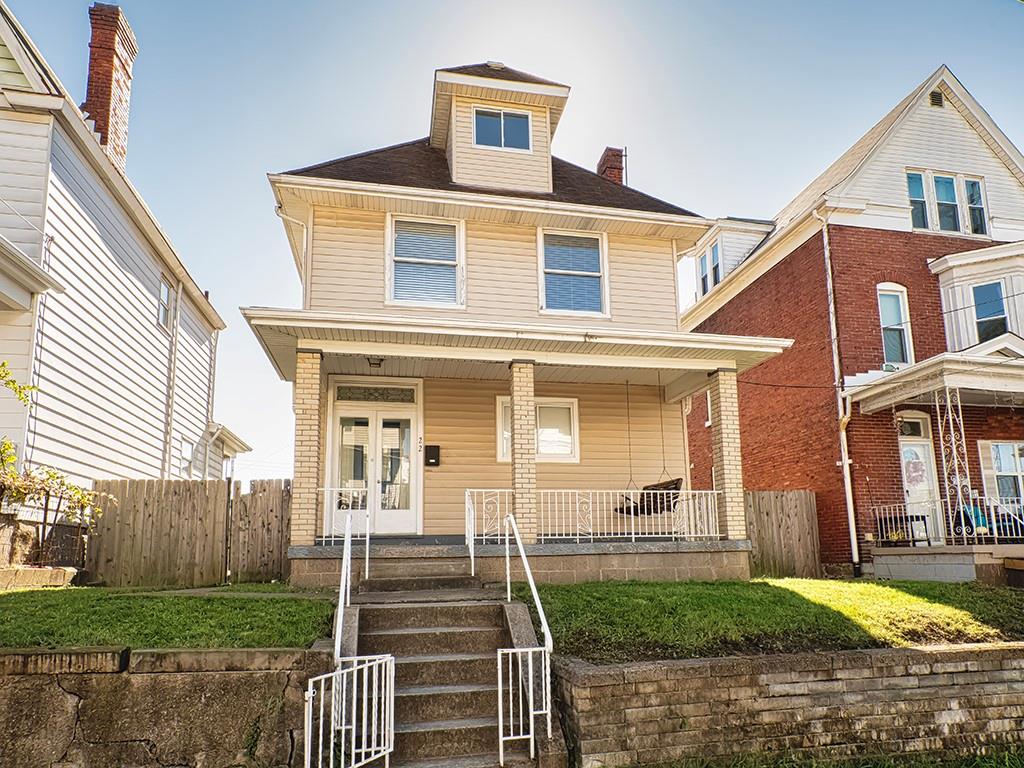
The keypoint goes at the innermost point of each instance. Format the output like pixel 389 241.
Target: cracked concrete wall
pixel 154 709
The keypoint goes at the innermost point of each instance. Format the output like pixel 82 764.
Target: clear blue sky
pixel 726 107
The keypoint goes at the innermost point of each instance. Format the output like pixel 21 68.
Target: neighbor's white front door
pixel 920 486
pixel 375 450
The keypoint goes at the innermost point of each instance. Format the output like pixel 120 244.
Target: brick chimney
pixel 112 52
pixel 610 164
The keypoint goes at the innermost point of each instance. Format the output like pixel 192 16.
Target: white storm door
pixel 921 489
pixel 393 509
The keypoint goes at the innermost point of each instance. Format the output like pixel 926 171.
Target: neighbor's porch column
pixel 524 449
pixel 728 467
pixel 306 478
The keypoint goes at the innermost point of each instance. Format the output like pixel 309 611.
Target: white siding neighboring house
pixel 96 309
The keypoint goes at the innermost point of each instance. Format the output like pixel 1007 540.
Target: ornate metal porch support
pixel 956 473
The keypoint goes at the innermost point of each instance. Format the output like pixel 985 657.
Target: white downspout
pixel 842 403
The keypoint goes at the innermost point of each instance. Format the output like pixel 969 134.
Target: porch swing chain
pixel 665 474
pixel 631 486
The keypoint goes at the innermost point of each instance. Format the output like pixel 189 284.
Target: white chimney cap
pixel 495 65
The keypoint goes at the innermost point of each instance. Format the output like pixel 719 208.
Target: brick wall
pixel 112 52
pixel 822 705
pixel 307 396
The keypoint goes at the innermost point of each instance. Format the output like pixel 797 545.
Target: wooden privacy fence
pixel 783 531
pixel 190 533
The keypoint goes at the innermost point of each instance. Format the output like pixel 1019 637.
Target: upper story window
pixel 710 268
pixel 558 429
pixel 573 273
pixel 918 202
pixel 897 345
pixel 501 128
pixel 425 263
pixel 947 202
pixel 989 310
pixel 165 304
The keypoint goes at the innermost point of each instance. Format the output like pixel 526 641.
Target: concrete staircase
pixel 444 631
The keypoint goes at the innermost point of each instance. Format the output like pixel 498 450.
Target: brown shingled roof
pixel 417 164
pixel 499 73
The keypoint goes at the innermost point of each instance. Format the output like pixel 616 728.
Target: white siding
pixel 736 246
pixel 11 75
pixel 191 391
pixel 939 139
pixel 24 160
pixel 956 286
pixel 348 274
pixel 101 358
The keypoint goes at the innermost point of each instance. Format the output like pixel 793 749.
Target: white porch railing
pixel 983 520
pixel 350 713
pixel 339 504
pixel 524 674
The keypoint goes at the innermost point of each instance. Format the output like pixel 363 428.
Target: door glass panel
pixel 395 463
pixel 354 469
pixel 917 478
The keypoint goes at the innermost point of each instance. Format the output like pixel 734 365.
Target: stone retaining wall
pixel 87 708
pixel 951 698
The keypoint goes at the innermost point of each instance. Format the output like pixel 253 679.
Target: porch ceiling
pixel 982 380
pixel 432 348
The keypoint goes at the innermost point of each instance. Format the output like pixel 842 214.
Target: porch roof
pixel 428 347
pixel 987 374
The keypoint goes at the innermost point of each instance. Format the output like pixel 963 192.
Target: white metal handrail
pixel 524 674
pixel 341 503
pixel 349 713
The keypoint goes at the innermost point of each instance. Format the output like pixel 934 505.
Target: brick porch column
pixel 524 449
pixel 305 510
pixel 725 447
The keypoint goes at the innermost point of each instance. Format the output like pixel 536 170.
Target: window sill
pixel 513 150
pixel 574 313
pixel 422 304
pixel 951 233
pixel 546 460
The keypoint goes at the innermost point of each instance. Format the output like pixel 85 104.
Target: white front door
pixel 375 465
pixel 920 485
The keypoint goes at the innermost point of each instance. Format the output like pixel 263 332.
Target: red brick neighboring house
pixel 909 252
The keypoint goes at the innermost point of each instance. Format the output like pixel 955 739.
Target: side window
pixel 897 348
pixel 165 304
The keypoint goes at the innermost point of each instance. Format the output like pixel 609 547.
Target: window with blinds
pixel 426 262
pixel 573 273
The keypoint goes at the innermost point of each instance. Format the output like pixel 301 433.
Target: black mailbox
pixel 432 455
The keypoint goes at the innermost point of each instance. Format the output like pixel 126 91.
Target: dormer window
pixel 501 129
pixel 710 268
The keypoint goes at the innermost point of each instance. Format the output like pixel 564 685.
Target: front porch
pixel 429 437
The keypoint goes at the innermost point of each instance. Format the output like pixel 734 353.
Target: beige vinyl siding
pixel 348 274
pixel 24 163
pixel 460 416
pixel 101 358
pixel 937 139
pixel 500 168
pixel 11 75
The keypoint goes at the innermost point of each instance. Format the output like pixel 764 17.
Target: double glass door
pixel 375 470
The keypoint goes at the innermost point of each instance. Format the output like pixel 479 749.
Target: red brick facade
pixel 788 410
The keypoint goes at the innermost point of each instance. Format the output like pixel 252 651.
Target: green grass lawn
pixel 96 616
pixel 607 622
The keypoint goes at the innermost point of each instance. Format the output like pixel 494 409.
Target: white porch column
pixel 306 479
pixel 728 466
pixel 524 449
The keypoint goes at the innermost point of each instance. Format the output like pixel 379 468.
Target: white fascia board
pixel 304 319
pixel 777 247
pixel 233 444
pixel 483 200
pixel 23 101
pixel 977 256
pixel 20 268
pixel 721 226
pixel 514 86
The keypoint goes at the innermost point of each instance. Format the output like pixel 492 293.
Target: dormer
pixel 495 125
pixel 723 247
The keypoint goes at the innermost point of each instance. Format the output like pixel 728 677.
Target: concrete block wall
pixel 818 705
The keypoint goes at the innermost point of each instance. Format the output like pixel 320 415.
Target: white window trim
pixel 389 262
pixel 974 306
pixel 170 304
pixel 992 492
pixel 707 255
pixel 963 213
pixel 922 418
pixel 602 238
pixel 901 291
pixel 529 128
pixel 707 401
pixel 567 402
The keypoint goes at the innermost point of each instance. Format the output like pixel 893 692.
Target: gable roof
pixel 417 164
pixel 498 71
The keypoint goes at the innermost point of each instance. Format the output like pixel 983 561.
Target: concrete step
pixel 398 567
pixel 428 596
pixel 447 614
pixel 447 669
pixel 490 760
pixel 417 641
pixel 445 702
pixel 407 583
pixel 445 738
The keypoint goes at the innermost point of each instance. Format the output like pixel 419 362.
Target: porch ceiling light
pixel 375 362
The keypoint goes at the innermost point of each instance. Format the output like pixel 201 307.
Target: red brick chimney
pixel 112 52
pixel 610 164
